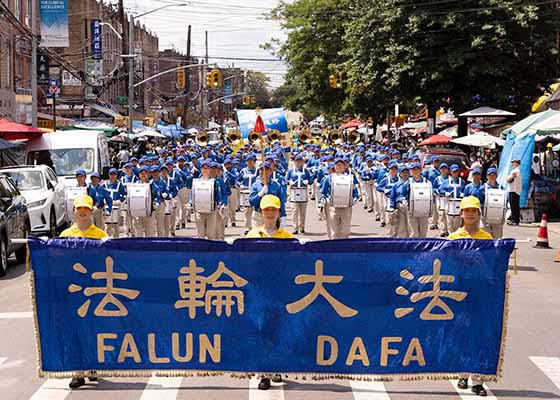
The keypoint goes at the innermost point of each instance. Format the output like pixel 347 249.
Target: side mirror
pixel 105 172
pixel 50 185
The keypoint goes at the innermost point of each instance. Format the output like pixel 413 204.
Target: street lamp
pixel 131 61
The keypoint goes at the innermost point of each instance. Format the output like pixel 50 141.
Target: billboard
pixel 54 23
pixel 273 118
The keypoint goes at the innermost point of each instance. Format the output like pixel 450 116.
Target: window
pixel 28 13
pixel 18 9
pixel 65 162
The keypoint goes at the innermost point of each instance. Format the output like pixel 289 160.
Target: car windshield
pixel 451 159
pixel 26 180
pixel 65 162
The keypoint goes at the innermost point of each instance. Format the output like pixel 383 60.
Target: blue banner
pixel 381 308
pixel 522 147
pixel 96 39
pixel 54 23
pixel 273 118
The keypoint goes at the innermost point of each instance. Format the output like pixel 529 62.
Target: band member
pixel 81 178
pixel 476 187
pixel 185 192
pixel 442 212
pixel 340 216
pixel 379 197
pixel 385 187
pixel 101 198
pixel 453 188
pixel 230 178
pixel 128 176
pixel 146 226
pixel 245 181
pixel 496 230
pixel 366 173
pixel 82 227
pixel 177 177
pixel 170 203
pixel 206 221
pixel 221 214
pixel 117 191
pixel 165 194
pixel 299 178
pixel 265 185
pixel 418 225
pixel 470 215
pixel 433 174
pixel 399 200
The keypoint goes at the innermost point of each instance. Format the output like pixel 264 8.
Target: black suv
pixel 14 223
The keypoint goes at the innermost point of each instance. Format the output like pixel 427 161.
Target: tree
pixel 257 85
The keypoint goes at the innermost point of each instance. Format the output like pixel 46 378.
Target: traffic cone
pixel 542 236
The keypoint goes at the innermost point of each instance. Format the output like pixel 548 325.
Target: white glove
pixel 354 202
pixel 107 213
pixel 164 195
pixel 263 191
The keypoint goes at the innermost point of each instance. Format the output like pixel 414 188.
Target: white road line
pixel 2 360
pixel 550 366
pixel 276 391
pixel 16 315
pixel 153 390
pixel 466 394
pixel 52 389
pixel 364 390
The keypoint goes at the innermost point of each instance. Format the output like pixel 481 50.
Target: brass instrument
pixel 335 136
pixel 255 137
pixel 202 139
pixel 274 135
pixel 304 136
pixel 353 137
pixel 234 138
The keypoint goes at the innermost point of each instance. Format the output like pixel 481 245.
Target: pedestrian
pixel 205 220
pixel 452 188
pixel 515 184
pixel 399 201
pixel 496 230
pixel 418 225
pixel 101 198
pixel 470 216
pixel 117 191
pixel 299 178
pixel 83 227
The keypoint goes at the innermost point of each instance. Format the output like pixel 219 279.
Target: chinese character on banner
pixel 319 290
pixel 435 295
pixel 109 292
pixel 221 295
pixel 42 69
pixel 96 40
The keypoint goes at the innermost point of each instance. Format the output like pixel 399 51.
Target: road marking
pixel 550 366
pixel 52 389
pixel 2 360
pixel 274 393
pixel 466 394
pixel 153 390
pixel 16 315
pixel 364 390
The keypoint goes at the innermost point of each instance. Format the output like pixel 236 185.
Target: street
pixel 532 357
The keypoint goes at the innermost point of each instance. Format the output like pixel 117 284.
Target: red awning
pixel 13 131
pixel 436 139
pixel 354 123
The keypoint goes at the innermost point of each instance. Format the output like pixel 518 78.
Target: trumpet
pixel 255 137
pixel 304 137
pixel 234 138
pixel 202 139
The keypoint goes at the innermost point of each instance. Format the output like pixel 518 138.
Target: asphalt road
pixel 532 358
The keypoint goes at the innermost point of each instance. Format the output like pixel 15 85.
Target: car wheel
pixel 52 225
pixel 21 253
pixel 3 256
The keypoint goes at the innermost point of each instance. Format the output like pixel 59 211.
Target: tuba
pixel 304 136
pixel 335 137
pixel 353 137
pixel 274 135
pixel 202 139
pixel 234 138
pixel 254 137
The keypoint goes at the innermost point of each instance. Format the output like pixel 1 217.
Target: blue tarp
pixel 522 147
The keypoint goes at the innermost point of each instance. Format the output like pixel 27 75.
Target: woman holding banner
pixel 470 229
pixel 270 207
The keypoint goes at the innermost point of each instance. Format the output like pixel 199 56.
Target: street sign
pixel 96 40
pixel 54 88
pixel 121 99
pixel 181 79
pixel 42 69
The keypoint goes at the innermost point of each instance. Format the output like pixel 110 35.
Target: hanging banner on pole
pixel 54 23
pixel 356 308
pixel 96 40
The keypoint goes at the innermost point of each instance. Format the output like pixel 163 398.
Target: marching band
pixel 155 195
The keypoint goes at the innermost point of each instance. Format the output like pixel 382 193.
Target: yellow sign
pixel 181 79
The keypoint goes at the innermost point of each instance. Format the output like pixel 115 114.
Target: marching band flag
pixel 355 308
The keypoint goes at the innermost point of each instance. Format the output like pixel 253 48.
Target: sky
pixel 236 29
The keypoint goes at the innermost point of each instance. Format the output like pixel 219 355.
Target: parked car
pixel 448 156
pixel 14 223
pixel 44 194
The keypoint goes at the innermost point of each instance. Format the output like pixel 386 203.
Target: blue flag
pixel 380 308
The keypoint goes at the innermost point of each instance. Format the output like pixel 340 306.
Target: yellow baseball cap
pixel 83 201
pixel 270 201
pixel 470 202
pixel 549 145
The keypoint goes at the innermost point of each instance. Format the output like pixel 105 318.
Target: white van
pixel 68 151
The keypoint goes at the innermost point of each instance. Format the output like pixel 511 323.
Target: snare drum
pixel 298 195
pixel 495 203
pixel 69 195
pixel 442 203
pixel 167 205
pixel 421 199
pixel 453 207
pixel 139 200
pixel 244 195
pixel 388 203
pixel 203 196
pixel 341 190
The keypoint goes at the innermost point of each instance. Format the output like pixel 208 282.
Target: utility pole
pixel 188 79
pixel 205 110
pixel 130 74
pixel 34 43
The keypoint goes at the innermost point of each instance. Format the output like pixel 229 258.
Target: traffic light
pixel 214 79
pixel 181 79
pixel 332 81
pixel 335 80
pixel 253 100
pixel 339 80
pixel 209 79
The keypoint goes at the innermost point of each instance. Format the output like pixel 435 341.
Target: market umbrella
pixel 434 140
pixel 355 123
pixel 479 139
pixel 13 131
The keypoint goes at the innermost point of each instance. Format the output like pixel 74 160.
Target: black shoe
pixel 189 220
pixel 377 219
pixel 370 211
pixel 479 390
pixel 76 383
pixel 264 384
pixel 246 231
pixel 233 224
pixel 276 378
pixel 365 207
pixel 183 225
pixel 463 383
pixel 177 227
pixel 172 233
pixel 444 234
pixel 303 231
pixel 433 227
pixel 383 224
pixel 295 232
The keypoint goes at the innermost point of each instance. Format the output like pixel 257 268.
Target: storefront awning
pixel 13 131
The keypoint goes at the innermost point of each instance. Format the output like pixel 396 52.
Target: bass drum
pixel 421 199
pixel 139 200
pixel 495 205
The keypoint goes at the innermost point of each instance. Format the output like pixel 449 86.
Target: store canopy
pixel 548 126
pixel 486 112
pixel 171 131
pixel 435 140
pixel 528 122
pixel 556 148
pixel 13 131
pixel 104 110
pixel 479 139
pixel 355 123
